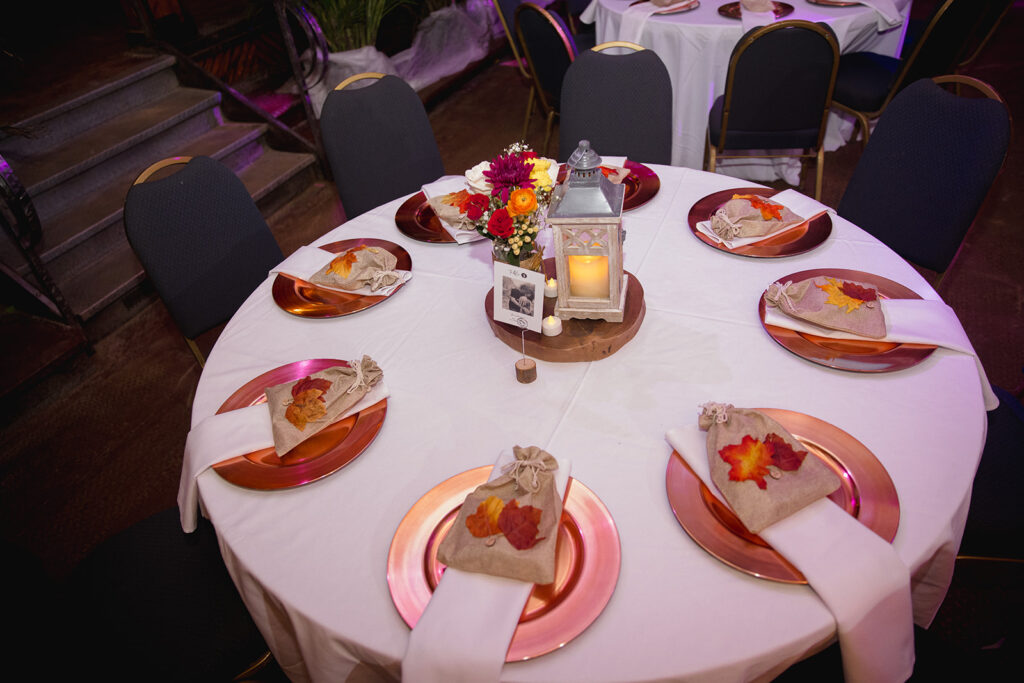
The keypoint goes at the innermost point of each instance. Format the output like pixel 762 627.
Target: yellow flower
pixel 540 175
pixel 522 202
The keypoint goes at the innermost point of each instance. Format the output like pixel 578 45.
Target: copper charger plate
pixel 867 493
pixel 641 184
pixel 855 355
pixel 324 453
pixel 834 3
pixel 417 220
pixel 586 564
pixel 789 243
pixel 732 10
pixel 307 300
pixel 668 10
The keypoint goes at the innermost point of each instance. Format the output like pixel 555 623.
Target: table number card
pixel 518 296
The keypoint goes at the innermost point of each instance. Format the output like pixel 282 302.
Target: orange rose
pixel 522 202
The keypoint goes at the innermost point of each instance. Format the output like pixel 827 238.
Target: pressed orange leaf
pixel 342 265
pixel 484 522
pixel 837 297
pixel 769 210
pixel 749 459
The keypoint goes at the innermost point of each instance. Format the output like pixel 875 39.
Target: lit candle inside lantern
pixel 588 276
pixel 551 326
pixel 551 288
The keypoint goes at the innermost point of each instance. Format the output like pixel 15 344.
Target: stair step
pixel 104 207
pixel 140 82
pixel 41 173
pixel 102 280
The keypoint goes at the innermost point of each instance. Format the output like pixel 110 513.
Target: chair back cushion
pixel 549 49
pixel 378 142
pixel 779 86
pixel 926 170
pixel 621 103
pixel 202 241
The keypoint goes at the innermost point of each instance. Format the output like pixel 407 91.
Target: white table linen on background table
pixel 696 47
pixel 310 562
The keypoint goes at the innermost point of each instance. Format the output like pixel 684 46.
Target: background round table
pixel 310 562
pixel 696 47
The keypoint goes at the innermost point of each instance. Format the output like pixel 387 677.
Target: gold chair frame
pixel 550 111
pixel 359 77
pixel 618 43
pixel 863 118
pixel 714 152
pixel 520 64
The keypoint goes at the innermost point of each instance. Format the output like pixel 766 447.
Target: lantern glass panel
pixel 588 276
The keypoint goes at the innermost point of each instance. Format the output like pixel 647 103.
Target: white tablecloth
pixel 311 561
pixel 696 47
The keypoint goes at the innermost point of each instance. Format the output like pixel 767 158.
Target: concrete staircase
pixel 78 157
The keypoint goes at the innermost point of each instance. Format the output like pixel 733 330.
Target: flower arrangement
pixel 507 200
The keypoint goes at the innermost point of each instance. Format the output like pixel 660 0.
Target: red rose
pixel 500 224
pixel 475 205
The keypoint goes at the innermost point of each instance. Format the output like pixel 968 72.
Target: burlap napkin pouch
pixel 758 5
pixel 833 303
pixel 450 213
pixel 762 471
pixel 751 216
pixel 300 409
pixel 528 482
pixel 359 267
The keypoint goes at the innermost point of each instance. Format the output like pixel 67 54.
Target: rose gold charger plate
pixel 586 564
pixel 642 184
pixel 834 3
pixel 671 10
pixel 854 355
pixel 322 454
pixel 810 234
pixel 417 220
pixel 732 10
pixel 307 300
pixel 867 493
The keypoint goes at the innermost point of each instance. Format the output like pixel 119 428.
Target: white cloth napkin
pixel 589 15
pixel 446 185
pixel 888 15
pixel 634 17
pixel 464 633
pixel 306 261
pixel 858 576
pixel 911 321
pixel 801 205
pixel 236 432
pixel 754 19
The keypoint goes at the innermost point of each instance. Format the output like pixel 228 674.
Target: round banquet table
pixel 310 562
pixel 696 47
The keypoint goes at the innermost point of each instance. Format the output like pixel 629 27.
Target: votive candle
pixel 551 288
pixel 551 326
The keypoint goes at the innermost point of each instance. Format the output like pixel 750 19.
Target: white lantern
pixel 585 216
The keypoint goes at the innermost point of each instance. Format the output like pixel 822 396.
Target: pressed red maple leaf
pixel 855 291
pixel 783 455
pixel 749 459
pixel 520 524
pixel 307 383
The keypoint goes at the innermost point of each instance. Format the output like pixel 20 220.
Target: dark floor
pixel 97 445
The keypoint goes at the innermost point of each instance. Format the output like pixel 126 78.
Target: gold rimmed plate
pixel 866 493
pixel 307 300
pixel 642 184
pixel 671 10
pixel 802 238
pixel 417 220
pixel 855 355
pixel 732 10
pixel 586 564
pixel 322 454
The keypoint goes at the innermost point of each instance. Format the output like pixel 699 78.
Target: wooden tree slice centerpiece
pixel 580 340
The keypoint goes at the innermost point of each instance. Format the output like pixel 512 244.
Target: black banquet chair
pixel 201 239
pixel 153 603
pixel 622 103
pixel 550 49
pixel 927 169
pixel 867 82
pixel 378 141
pixel 777 95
